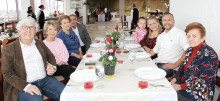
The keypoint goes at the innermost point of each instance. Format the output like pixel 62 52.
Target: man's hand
pixel 33 89
pixel 170 66
pixel 176 87
pixel 173 81
pixel 50 69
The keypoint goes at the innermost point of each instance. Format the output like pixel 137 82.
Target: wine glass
pixel 99 70
pixel 132 57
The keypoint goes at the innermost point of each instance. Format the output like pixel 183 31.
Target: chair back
pixel 39 35
pixel 2 27
pixel 7 41
pixel 121 19
pixel 218 77
pixel 1 76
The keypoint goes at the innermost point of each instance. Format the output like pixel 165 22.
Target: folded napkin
pixel 142 55
pixel 84 75
pixel 97 45
pixel 95 57
pixel 132 45
pixel 129 38
pixel 100 38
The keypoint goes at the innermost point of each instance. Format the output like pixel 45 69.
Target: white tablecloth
pixel 101 17
pixel 122 87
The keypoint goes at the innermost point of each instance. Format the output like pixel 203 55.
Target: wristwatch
pixel 55 68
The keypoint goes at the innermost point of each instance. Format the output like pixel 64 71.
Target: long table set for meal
pixel 135 76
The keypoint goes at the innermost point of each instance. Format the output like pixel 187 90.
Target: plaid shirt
pixel 139 35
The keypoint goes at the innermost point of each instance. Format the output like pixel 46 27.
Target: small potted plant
pixel 10 31
pixel 109 62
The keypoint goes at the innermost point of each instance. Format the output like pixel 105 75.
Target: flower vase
pixel 114 42
pixel 113 53
pixel 109 70
pixel 10 35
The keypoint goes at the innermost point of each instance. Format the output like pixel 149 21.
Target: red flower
pixel 9 28
pixel 108 40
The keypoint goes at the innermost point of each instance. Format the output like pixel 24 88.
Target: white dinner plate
pixel 132 45
pixel 97 45
pixel 129 38
pixel 150 73
pixel 84 75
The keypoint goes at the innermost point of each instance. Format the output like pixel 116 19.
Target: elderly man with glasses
pixel 27 66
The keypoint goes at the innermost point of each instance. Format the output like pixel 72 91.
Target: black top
pixel 135 15
pixel 77 13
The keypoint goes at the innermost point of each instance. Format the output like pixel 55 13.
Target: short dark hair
pixel 167 13
pixel 196 25
pixel 41 6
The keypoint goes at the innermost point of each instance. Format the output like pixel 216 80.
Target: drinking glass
pixel 131 59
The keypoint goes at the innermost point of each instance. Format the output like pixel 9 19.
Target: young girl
pixel 141 30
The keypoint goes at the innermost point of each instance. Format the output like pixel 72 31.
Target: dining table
pixel 124 84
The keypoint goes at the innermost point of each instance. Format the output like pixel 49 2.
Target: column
pixel 121 8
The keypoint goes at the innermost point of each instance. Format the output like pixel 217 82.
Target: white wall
pixel 203 11
pixel 82 10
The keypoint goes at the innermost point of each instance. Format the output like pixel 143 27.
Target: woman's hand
pixel 61 63
pixel 76 55
pixel 147 49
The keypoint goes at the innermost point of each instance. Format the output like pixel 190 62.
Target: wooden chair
pixel 7 41
pixel 124 23
pixel 2 25
pixel 1 77
pixel 13 23
pixel 39 35
pixel 217 77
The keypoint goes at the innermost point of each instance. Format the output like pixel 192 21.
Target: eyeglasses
pixel 32 28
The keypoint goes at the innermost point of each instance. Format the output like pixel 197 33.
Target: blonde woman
pixel 149 40
pixel 58 49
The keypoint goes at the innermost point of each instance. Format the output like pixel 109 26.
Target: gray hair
pixel 26 20
pixel 73 15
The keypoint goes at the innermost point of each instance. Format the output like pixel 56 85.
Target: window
pixel 8 11
pixel 50 6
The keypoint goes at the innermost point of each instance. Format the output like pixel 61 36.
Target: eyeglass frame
pixel 32 28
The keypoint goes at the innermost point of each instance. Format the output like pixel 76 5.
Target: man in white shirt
pixel 170 46
pixel 27 66
pixel 81 32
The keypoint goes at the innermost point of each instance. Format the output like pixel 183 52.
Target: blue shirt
pixel 72 44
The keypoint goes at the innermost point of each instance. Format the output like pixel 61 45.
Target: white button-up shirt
pixel 33 62
pixel 170 46
pixel 77 33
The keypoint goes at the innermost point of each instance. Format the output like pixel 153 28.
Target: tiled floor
pixel 99 29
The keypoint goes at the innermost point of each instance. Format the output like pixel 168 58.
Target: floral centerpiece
pixel 109 61
pixel 10 31
pixel 113 37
